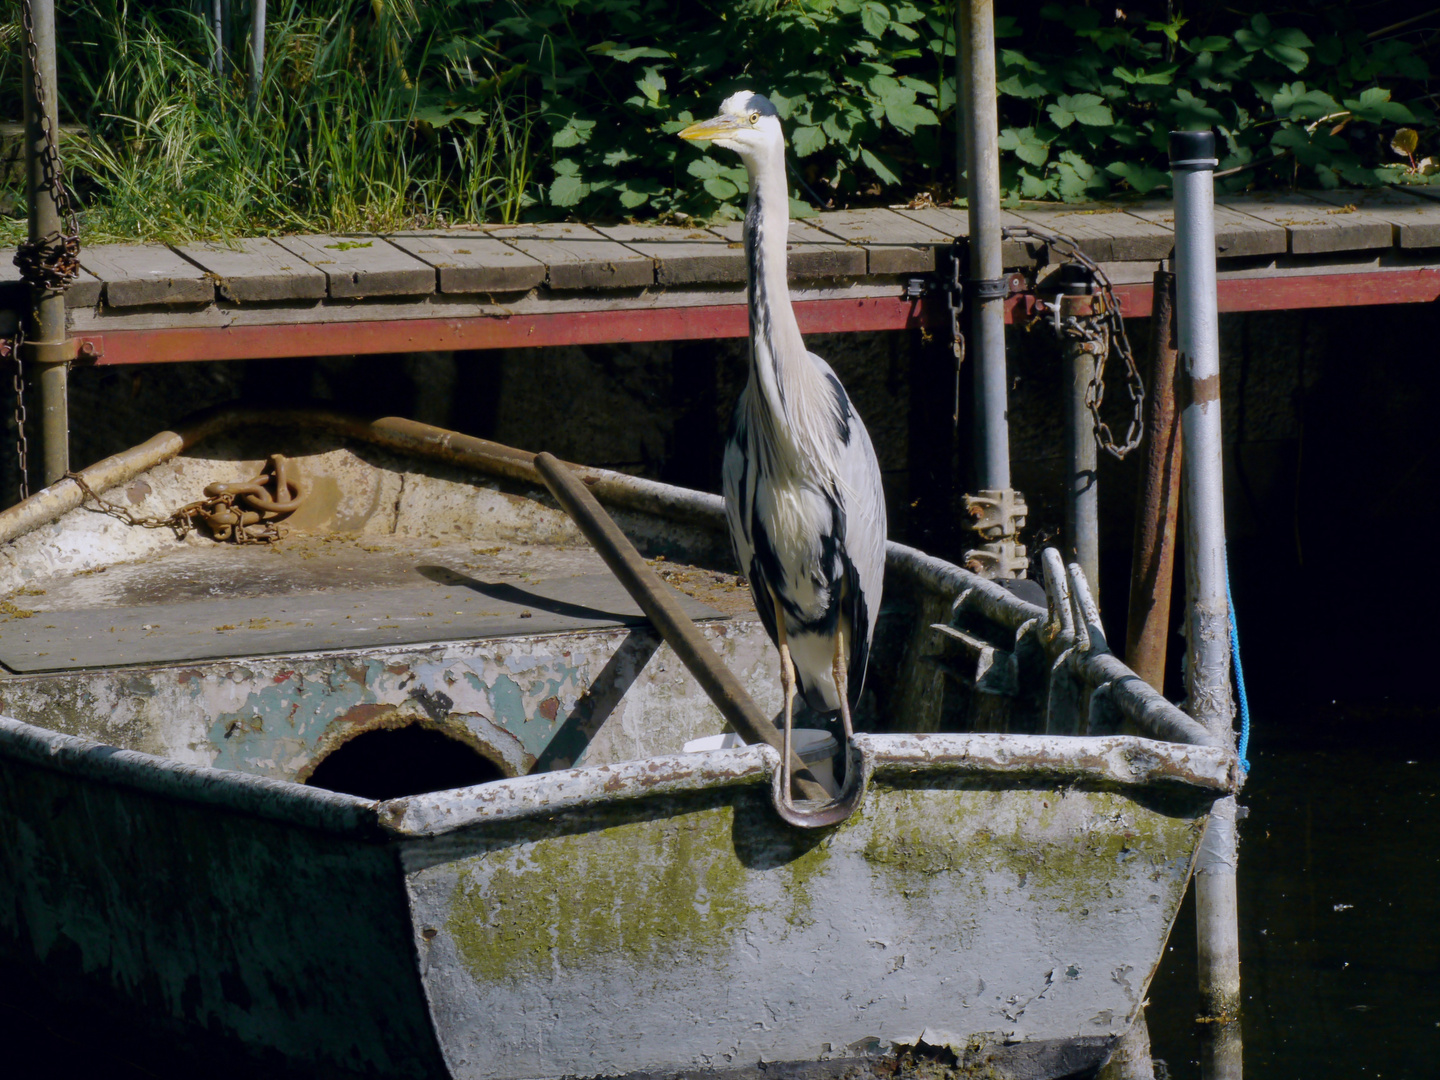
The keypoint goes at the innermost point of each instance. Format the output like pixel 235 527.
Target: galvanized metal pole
pixel 982 191
pixel 997 510
pixel 45 335
pixel 217 28
pixel 1147 631
pixel 1082 454
pixel 1192 161
pixel 257 50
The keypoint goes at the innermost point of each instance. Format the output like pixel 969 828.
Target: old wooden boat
pixel 586 899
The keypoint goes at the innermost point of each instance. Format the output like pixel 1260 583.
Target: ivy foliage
pixel 460 110
pixel 860 84
pixel 867 93
pixel 1289 108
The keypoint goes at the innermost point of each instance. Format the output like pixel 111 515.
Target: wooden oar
pixel 662 609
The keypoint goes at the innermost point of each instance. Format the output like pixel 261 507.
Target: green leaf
pixel 651 84
pixel 1285 46
pixel 625 56
pixel 1017 86
pixel 705 168
pixel 1208 44
pixel 1025 145
pixel 1084 108
pixel 1294 102
pixel 807 140
pixel 1192 113
pixel 874 17
pixel 574 133
pixel 721 188
pixel 878 167
pixel 1142 179
pixel 907 116
pixel 567 191
pixel 631 199
pixel 1034 187
pixel 1375 105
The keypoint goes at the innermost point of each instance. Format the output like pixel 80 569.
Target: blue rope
pixel 1244 746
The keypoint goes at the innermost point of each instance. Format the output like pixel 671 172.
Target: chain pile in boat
pixel 1103 332
pixel 245 513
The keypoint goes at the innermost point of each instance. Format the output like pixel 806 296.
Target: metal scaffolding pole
pixel 45 334
pixel 999 512
pixel 257 50
pixel 1082 452
pixel 1192 161
pixel 982 192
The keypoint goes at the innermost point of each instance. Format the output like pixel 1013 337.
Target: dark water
pixel 1339 893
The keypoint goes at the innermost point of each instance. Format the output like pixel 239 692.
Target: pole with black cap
pixel 1207 628
pixel 997 510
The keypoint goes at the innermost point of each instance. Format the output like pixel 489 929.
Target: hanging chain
pixel 22 445
pixel 1109 324
pixel 50 262
pixel 246 513
pixel 954 305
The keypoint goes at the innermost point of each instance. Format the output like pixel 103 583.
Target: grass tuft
pixel 341 140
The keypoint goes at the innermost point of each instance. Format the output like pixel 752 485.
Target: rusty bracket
pixel 86 350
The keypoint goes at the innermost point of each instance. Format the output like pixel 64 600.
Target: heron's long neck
pixel 787 382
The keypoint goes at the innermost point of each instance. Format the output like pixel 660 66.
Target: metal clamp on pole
pixel 1207 676
pixel 998 516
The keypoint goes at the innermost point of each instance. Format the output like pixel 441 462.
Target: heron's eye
pixel 754 118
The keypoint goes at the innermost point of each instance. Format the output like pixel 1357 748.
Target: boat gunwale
pixel 1125 761
pixel 226 789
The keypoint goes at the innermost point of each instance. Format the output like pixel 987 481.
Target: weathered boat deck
pixel 519 285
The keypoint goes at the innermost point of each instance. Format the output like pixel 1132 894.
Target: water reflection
pixel 1339 892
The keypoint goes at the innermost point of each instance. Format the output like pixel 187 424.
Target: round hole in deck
pixel 391 763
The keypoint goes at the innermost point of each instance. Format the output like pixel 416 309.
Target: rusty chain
pixel 245 513
pixel 1105 328
pixel 50 262
pixel 954 305
pixel 22 445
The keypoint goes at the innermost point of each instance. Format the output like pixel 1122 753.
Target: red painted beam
pixel 177 344
pixel 1419 285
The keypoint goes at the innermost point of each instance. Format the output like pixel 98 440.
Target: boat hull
pixel 688 932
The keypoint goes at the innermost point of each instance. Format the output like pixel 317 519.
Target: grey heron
pixel 802 484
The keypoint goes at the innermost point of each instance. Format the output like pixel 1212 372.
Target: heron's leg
pixel 842 687
pixel 787 686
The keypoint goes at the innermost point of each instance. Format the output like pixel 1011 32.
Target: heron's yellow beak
pixel 717 128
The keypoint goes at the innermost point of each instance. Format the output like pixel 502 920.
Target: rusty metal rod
pixel 1152 570
pixel 662 609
